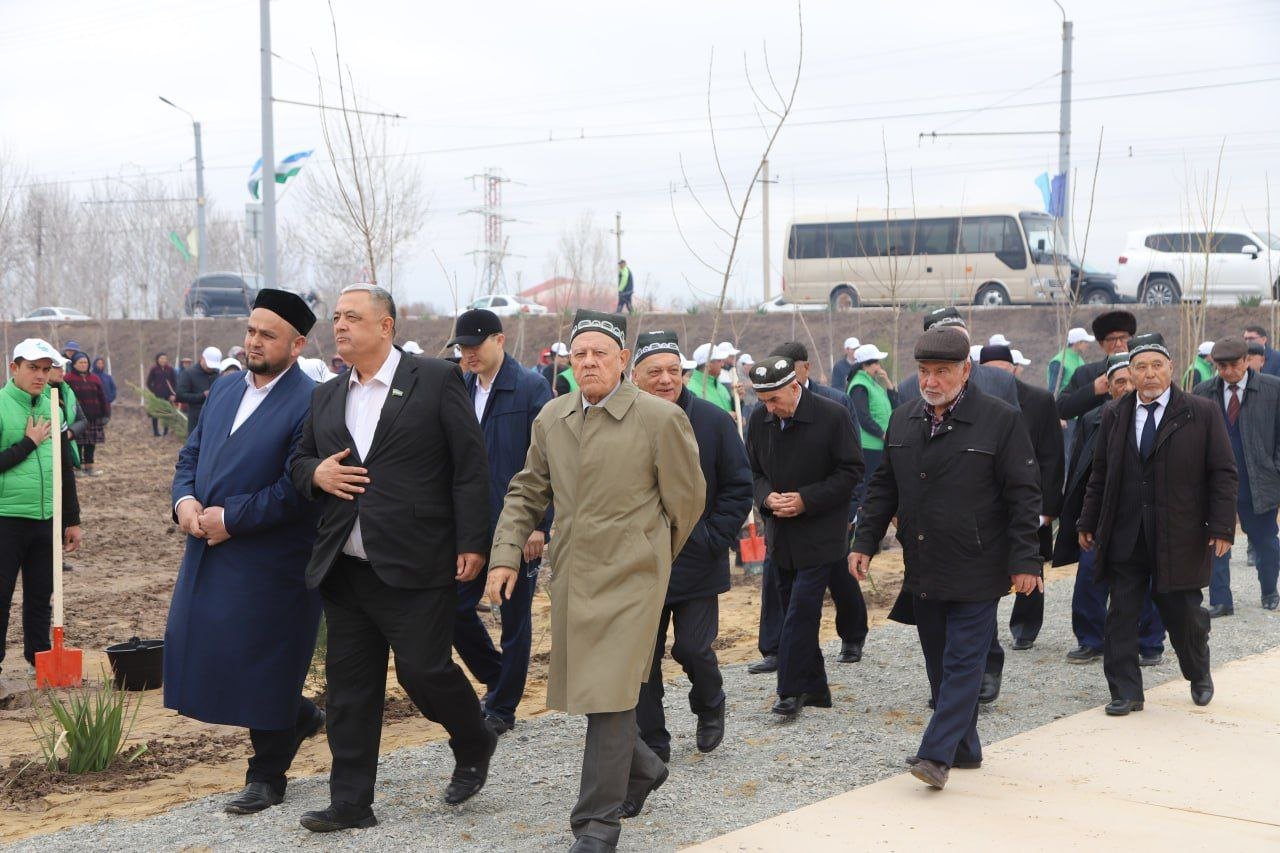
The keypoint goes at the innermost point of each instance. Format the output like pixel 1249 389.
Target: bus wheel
pixel 844 298
pixel 991 294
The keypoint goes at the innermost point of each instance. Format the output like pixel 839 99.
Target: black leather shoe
pixel 1218 610
pixel 1151 660
pixel 337 817
pixel 768 663
pixel 913 760
pixel 468 779
pixel 1202 691
pixel 933 704
pixel 816 700
pixel 929 772
pixel 710 730
pixel 1021 645
pixel 1271 602
pixel 630 808
pixel 849 653
pixel 591 844
pixel 1122 707
pixel 787 706
pixel 253 798
pixel 1083 654
pixel 499 725
pixel 990 688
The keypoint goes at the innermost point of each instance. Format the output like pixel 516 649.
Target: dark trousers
pixel 624 301
pixel 1186 621
pixel 366 618
pixel 616 764
pixel 1089 612
pixel 155 427
pixel 26 548
pixel 870 461
pixel 1262 530
pixel 955 637
pixel 697 622
pixel 273 750
pixel 801 668
pixel 86 453
pixel 503 673
pixel 846 595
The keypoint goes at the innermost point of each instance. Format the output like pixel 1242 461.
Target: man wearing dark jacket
pixel 805 462
pixel 194 383
pixel 1250 404
pixel 1089 596
pixel 393 452
pixel 1087 389
pixel 960 476
pixel 700 571
pixel 1161 502
pixel 506 397
pixel 1270 358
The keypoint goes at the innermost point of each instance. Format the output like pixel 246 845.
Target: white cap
pixel 868 352
pixel 235 351
pixel 34 349
pixel 211 355
pixel 228 362
pixel 701 354
pixel 1019 358
pixel 316 369
pixel 851 343
pixel 412 347
pixel 999 340
pixel 457 353
pixel 687 363
pixel 1205 348
pixel 975 352
pixel 558 348
pixel 1076 335
pixel 745 360
pixel 723 350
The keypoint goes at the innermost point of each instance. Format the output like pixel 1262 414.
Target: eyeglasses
pixel 1120 338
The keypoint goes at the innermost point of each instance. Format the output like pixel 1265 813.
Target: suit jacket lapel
pixel 401 387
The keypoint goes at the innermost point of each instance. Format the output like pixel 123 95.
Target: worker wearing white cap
pixel 999 340
pixel 975 352
pixel 229 365
pixel 1200 369
pixel 1063 365
pixel 194 384
pixel 842 370
pixel 412 347
pixel 705 380
pixel 556 371
pixel 874 398
pixel 746 392
pixel 729 372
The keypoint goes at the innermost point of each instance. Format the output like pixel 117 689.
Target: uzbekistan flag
pixel 285 169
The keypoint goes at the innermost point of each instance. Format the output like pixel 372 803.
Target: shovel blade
pixel 60 666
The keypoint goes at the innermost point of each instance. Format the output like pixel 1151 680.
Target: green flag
pixel 179 245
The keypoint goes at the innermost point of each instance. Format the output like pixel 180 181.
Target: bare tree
pixel 583 256
pixel 1206 203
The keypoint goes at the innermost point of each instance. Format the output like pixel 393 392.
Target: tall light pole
pixel 200 242
pixel 1064 130
pixel 268 185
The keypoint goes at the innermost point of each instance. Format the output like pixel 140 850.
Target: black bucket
pixel 137 664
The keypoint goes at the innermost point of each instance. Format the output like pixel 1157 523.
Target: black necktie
pixel 1147 441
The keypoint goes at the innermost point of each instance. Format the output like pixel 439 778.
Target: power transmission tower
pixel 495 245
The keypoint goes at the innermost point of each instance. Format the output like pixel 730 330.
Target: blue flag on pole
pixel 1042 183
pixel 1058 195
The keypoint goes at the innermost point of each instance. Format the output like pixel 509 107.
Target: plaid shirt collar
pixel 936 421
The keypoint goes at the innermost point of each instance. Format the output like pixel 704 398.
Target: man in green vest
pixel 26 495
pixel 873 402
pixel 1200 369
pixel 1063 365
pixel 626 287
pixel 704 382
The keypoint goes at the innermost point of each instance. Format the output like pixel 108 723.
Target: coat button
pixel 924 595
pixel 923 476
pixel 920 537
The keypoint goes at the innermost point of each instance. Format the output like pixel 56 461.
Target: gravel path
pixel 763 768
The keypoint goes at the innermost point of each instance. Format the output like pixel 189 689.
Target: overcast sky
pixel 487 84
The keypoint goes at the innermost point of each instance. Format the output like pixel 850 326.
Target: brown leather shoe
pixel 931 773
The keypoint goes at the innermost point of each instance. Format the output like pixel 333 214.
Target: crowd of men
pixel 394 493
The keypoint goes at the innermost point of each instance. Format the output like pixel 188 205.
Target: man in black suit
pixel 394 453
pixel 1040 416
pixel 806 464
pixel 1088 388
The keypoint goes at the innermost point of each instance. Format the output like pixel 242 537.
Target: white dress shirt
pixel 1226 390
pixel 364 408
pixel 1140 414
pixel 481 398
pixel 586 405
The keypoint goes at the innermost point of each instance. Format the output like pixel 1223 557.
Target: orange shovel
pixel 60 666
pixel 752 546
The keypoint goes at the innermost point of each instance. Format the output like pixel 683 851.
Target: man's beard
pixel 938 398
pixel 264 367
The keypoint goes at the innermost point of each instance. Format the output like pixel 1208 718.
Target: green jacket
pixel 710 389
pixel 567 375
pixel 879 404
pixel 26 488
pixel 1201 370
pixel 70 409
pixel 1064 364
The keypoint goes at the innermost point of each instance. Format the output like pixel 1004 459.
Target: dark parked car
pixel 1098 288
pixel 219 294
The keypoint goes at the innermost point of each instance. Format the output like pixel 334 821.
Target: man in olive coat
pixel 621 470
pixel 1160 504
pixel 960 475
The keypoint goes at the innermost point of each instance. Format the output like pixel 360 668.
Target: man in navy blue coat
pixel 507 397
pixel 242 624
pixel 700 572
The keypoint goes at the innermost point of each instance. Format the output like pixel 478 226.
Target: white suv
pixel 1163 266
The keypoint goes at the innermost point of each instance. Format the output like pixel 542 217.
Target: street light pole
pixel 268 184
pixel 200 241
pixel 1064 130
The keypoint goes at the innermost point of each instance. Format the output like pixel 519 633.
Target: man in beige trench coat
pixel 622 470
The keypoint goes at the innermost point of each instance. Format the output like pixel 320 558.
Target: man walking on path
pixel 194 384
pixel 842 370
pixel 960 476
pixel 700 572
pixel 705 382
pixel 626 287
pixel 1068 359
pixel 26 495
pixel 1160 504
pixel 242 623
pixel 622 470
pixel 806 464
pixel 507 397
pixel 1254 334
pixel 1250 405
pixel 393 453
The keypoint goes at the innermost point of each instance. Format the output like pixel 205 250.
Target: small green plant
pixel 163 411
pixel 86 730
pixel 1254 301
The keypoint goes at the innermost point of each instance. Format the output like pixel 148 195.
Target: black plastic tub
pixel 137 664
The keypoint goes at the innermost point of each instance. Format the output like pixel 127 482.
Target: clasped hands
pixel 785 504
pixel 205 523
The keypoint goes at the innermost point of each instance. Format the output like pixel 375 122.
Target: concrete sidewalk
pixel 1172 777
